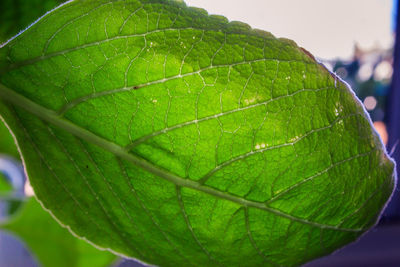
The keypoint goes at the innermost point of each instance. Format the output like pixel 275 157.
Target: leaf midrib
pixel 52 117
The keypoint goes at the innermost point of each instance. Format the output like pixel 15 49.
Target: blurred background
pixel 356 39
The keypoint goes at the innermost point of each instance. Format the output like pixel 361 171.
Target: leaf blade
pixel 188 81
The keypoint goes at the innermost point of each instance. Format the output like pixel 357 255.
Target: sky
pixel 328 29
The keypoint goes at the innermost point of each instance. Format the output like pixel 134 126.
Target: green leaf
pixel 18 14
pixel 176 138
pixel 5 186
pixel 52 244
pixel 10 200
pixel 7 145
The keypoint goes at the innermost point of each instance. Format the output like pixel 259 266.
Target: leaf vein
pixel 215 116
pixel 189 226
pixel 108 217
pixel 253 243
pixel 248 154
pixel 52 117
pixel 147 212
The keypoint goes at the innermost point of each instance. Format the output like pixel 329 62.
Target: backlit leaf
pixel 5 186
pixel 174 137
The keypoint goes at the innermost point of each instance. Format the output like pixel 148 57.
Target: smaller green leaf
pixel 50 243
pixel 5 186
pixel 8 149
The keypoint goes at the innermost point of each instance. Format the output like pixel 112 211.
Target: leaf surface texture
pixel 177 138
